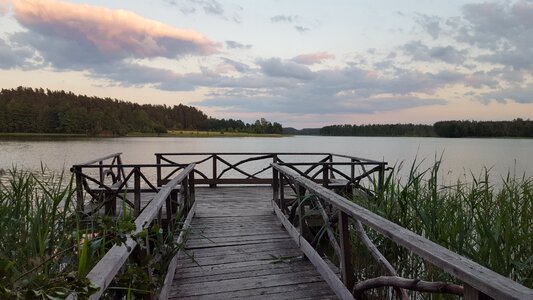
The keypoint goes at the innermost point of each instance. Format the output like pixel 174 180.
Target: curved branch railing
pixel 478 281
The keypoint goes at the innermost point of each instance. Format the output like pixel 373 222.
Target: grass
pixel 46 249
pixel 489 223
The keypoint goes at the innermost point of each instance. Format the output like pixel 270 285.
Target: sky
pixel 298 62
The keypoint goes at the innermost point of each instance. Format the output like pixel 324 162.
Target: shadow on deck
pixel 238 248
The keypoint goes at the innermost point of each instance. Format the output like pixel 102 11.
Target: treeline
pixel 514 128
pixel 27 110
pixel 379 130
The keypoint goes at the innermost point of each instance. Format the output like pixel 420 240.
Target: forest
pixel 379 130
pixel 514 128
pixel 28 110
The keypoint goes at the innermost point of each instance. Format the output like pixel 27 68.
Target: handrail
pixel 471 273
pixel 105 270
pixel 90 162
pixel 214 168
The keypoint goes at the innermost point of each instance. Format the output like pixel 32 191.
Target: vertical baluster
pixel 275 186
pixel 79 189
pixel 281 193
pixel 213 185
pixel 158 169
pixel 347 272
pixel 136 191
pixel 470 293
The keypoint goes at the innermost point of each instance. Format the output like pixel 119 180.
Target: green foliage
pixel 46 249
pixel 378 130
pixel 490 224
pixel 515 128
pixel 27 110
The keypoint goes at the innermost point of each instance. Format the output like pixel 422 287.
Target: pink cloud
pixel 112 32
pixel 312 58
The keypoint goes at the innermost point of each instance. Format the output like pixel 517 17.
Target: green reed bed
pixel 490 223
pixel 46 249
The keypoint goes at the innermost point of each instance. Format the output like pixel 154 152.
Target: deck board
pixel 238 249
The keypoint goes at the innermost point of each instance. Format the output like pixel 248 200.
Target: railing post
pixel 300 193
pixel 352 169
pixel 325 177
pixel 381 179
pixel 281 193
pixel 331 174
pixel 213 185
pixel 275 186
pixel 158 169
pixel 192 193
pixel 136 191
pixel 101 171
pixel 79 189
pixel 347 272
pixel 470 293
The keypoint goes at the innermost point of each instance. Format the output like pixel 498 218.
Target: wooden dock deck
pixel 237 248
pixel 248 241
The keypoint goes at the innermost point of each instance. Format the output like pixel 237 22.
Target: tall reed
pixel 490 223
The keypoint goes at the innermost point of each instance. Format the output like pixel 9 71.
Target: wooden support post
pixel 158 169
pixel 281 193
pixel 79 189
pixel 331 174
pixel 300 194
pixel 381 179
pixel 347 272
pixel 192 192
pixel 352 169
pixel 101 172
pixel 120 170
pixel 325 176
pixel 110 206
pixel 275 186
pixel 470 293
pixel 214 185
pixel 136 191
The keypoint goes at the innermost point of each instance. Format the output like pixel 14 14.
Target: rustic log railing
pixel 110 265
pixel 344 221
pixel 254 168
pixel 106 183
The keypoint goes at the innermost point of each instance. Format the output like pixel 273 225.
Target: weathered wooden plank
pixel 171 270
pixel 315 290
pixel 202 288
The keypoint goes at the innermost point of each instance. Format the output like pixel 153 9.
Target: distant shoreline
pixel 177 133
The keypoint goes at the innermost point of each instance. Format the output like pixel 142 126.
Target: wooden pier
pixel 238 249
pixel 264 226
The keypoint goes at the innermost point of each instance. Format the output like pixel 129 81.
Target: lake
pixel 460 156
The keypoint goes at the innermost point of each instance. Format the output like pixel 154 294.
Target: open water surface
pixel 460 156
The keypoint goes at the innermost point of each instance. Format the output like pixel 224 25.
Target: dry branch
pixel 410 284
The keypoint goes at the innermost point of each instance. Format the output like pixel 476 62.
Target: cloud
pixel 519 94
pixel 312 58
pixel 237 45
pixel 237 66
pixel 504 29
pixel 102 34
pixel 12 56
pixel 431 24
pixel 301 29
pixel 421 52
pixel 275 67
pixel 285 19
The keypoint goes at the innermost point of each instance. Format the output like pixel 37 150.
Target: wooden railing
pixel 110 265
pixel 108 182
pixel 255 168
pixel 344 220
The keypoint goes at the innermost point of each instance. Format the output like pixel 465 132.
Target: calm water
pixel 460 156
